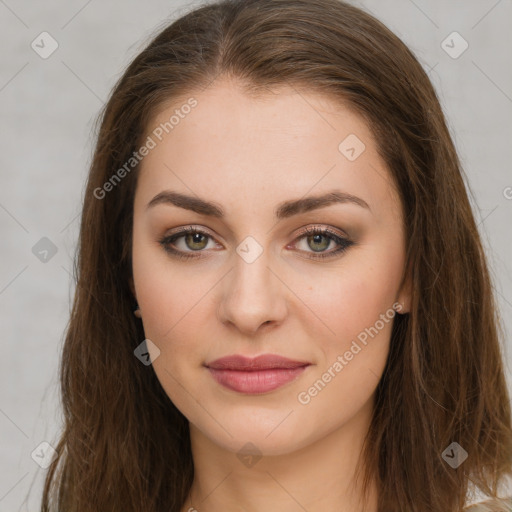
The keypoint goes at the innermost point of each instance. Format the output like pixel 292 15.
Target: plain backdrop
pixel 48 107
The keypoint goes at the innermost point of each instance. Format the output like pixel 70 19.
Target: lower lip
pixel 258 381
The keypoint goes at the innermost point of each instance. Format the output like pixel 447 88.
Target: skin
pixel 248 155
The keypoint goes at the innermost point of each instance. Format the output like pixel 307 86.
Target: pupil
pixel 195 239
pixel 317 240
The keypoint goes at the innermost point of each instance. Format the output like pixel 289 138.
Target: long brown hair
pixel 124 446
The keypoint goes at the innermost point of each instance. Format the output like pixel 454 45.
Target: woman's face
pixel 242 173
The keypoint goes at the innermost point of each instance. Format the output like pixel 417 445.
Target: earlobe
pixel 132 287
pixel 136 312
pixel 405 294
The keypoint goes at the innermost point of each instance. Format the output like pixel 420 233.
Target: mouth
pixel 255 375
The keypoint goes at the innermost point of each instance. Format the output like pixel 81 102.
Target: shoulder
pixel 493 505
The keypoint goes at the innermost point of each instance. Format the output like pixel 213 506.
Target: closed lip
pixel 263 362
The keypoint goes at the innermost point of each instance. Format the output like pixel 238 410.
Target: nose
pixel 253 296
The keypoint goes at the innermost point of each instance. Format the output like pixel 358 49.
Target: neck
pixel 316 477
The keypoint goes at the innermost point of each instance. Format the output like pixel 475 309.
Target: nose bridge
pixel 252 276
pixel 252 293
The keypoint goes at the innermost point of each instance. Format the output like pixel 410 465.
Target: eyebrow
pixel 284 210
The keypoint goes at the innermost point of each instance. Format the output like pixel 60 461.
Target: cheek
pixel 351 299
pixel 168 294
pixel 360 317
pixel 177 310
pixel 359 311
pixel 173 306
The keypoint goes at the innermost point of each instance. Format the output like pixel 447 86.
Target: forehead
pixel 249 151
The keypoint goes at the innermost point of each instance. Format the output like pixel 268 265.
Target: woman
pixel 276 196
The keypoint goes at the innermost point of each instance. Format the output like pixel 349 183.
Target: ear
pixel 404 297
pixel 132 287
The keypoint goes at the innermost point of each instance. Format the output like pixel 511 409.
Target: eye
pixel 318 239
pixel 196 239
pixel 193 238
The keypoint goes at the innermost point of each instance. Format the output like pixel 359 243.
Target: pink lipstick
pixel 255 375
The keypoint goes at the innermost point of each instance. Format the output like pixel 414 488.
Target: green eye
pixel 317 239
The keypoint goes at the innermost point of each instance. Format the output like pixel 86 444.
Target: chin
pixel 274 433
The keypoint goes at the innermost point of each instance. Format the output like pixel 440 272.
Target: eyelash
pixel 343 242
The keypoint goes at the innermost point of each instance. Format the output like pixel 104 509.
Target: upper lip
pixel 263 362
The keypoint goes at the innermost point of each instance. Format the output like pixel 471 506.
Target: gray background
pixel 48 108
